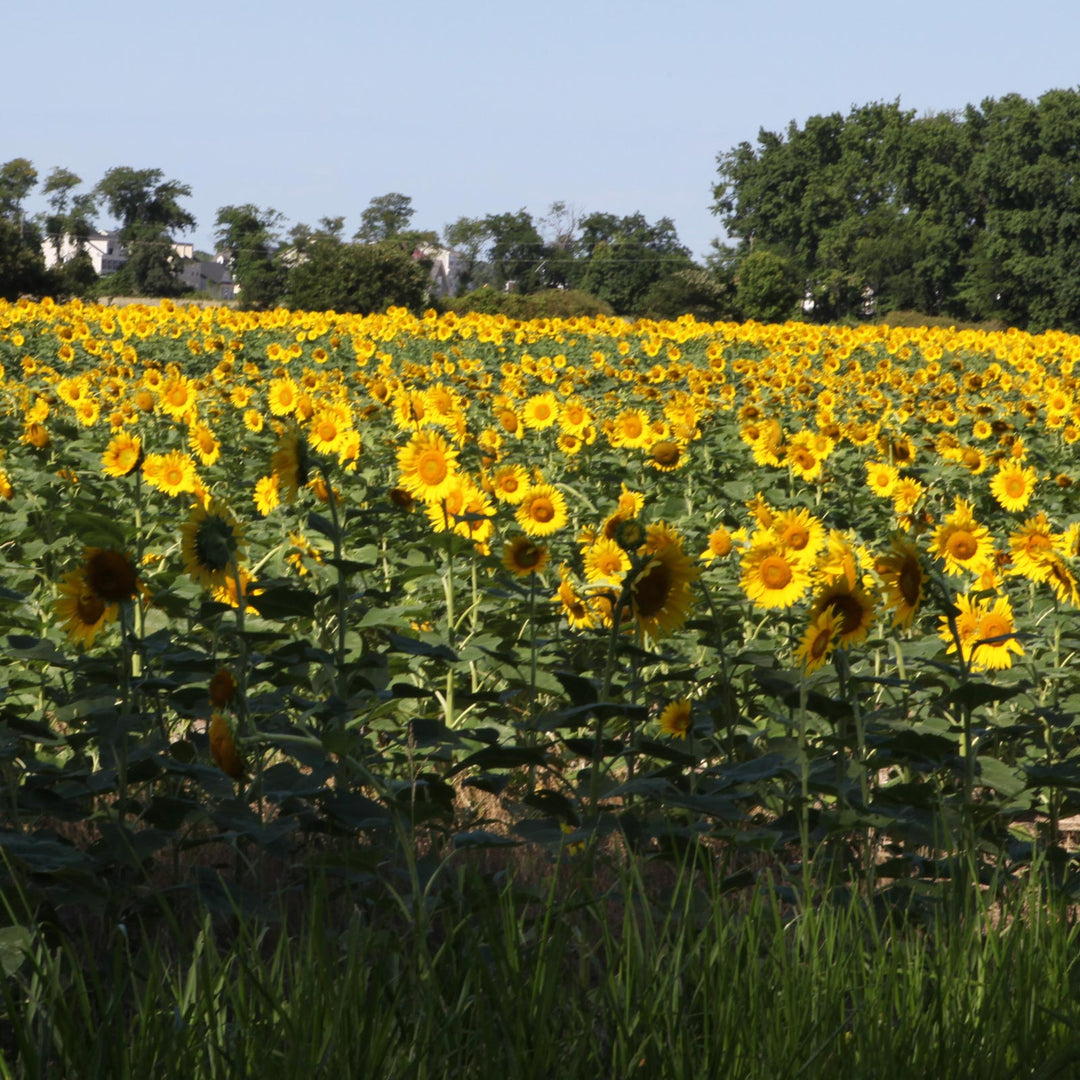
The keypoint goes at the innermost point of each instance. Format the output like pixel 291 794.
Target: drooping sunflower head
pixel 292 463
pixel 819 640
pixel 81 611
pixel 660 595
pixel 854 607
pixel 904 580
pixel 211 544
pixel 110 575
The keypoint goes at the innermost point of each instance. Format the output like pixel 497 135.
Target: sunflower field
pixel 284 579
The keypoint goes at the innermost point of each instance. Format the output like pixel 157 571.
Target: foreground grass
pixel 457 975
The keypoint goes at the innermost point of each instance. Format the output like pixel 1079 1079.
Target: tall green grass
pixel 461 974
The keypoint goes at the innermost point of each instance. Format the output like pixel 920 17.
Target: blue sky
pixel 483 107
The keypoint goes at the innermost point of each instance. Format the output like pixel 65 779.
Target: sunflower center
pixel 820 645
pixel 962 545
pixel 652 588
pixel 909 581
pixel 994 626
pixel 90 609
pixel 431 468
pixel 542 510
pixel 795 537
pixel 527 556
pixel 775 572
pixel 110 575
pixel 850 611
pixel 665 453
pixel 1015 487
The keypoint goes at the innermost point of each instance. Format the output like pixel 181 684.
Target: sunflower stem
pixel 448 592
pixel 339 649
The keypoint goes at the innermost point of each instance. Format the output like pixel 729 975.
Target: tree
pixel 250 238
pixel 22 266
pixel 468 238
pixel 70 215
pixel 769 286
pixel 148 209
pixel 357 277
pixel 386 217
pixel 622 259
pixel 517 251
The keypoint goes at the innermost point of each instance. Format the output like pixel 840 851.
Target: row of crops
pixel 293 579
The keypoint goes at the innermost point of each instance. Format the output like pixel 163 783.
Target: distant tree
pixel 69 215
pixel 385 217
pixel 517 251
pixel 149 211
pixel 622 258
pixel 357 277
pixel 468 238
pixel 769 287
pixel 22 266
pixel 250 240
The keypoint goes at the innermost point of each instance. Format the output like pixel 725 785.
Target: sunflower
pixel 902 576
pixel 110 574
pixel 771 577
pixel 328 428
pixel 542 511
pixel 282 396
pixel 605 562
pixel 799 533
pixel 122 456
pixel 854 608
pixel 666 456
pixel 675 719
pixel 177 396
pixel 631 429
pixel 428 466
pixel 660 592
pixel 223 748
pixel 819 640
pixel 961 542
pixel 211 544
pixel 292 463
pixel 1013 485
pixel 509 484
pixel 522 557
pixel 1062 580
pixel 578 613
pixel 995 642
pixel 204 444
pixel 222 688
pixel 719 545
pixel 173 473
pixel 966 622
pixel 881 478
pixel 540 411
pixel 81 611
pixel 1030 548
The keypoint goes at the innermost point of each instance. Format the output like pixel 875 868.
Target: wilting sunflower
pixel 122 456
pixel 110 574
pixel 819 640
pixel 854 607
pixel 772 577
pixel 1013 486
pixel 660 594
pixel 223 748
pixel 666 456
pixel 428 466
pixel 81 611
pixel 292 463
pixel 676 717
pixel 902 576
pixel 961 542
pixel 542 511
pixel 522 556
pixel 211 544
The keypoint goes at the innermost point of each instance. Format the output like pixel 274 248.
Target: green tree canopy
pixel 250 239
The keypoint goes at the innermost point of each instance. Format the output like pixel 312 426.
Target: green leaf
pixel 284 602
pixel 15 944
pixel 1004 779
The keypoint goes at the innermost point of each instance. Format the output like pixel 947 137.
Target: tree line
pixel 973 214
pixel 970 215
pixel 615 263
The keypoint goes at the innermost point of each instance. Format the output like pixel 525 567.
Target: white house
pixel 446 268
pixel 105 250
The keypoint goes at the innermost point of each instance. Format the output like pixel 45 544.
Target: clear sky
pixel 480 107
